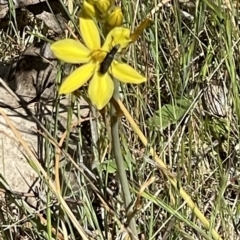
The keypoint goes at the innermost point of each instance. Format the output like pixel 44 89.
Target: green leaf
pixel 169 114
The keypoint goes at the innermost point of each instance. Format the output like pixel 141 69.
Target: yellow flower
pixel 90 57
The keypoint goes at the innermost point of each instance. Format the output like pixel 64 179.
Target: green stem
pixel 120 162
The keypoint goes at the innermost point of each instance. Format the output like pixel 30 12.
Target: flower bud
pixel 143 25
pixel 92 2
pixel 104 5
pixel 89 9
pixel 115 19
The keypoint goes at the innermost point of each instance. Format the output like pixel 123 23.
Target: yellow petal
pixel 126 73
pixel 100 90
pixel 118 35
pixel 77 78
pixel 89 32
pixel 70 51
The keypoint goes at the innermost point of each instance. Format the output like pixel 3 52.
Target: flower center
pixel 98 55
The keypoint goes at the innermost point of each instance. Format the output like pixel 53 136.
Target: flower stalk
pixel 120 162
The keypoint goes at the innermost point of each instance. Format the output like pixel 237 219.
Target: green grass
pixel 188 50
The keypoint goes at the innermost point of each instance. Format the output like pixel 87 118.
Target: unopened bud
pixel 104 5
pixel 115 18
pixel 143 25
pixel 89 9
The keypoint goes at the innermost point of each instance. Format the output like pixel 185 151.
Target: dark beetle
pixel 105 64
